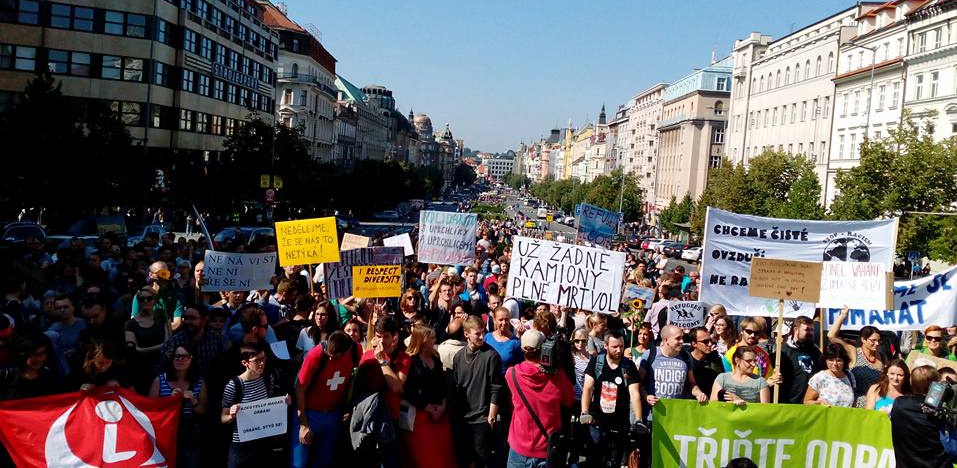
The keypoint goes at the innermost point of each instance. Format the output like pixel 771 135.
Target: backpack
pixel 324 360
pixel 272 389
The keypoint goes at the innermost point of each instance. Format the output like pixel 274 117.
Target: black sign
pixel 233 76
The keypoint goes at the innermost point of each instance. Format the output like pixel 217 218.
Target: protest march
pixel 475 341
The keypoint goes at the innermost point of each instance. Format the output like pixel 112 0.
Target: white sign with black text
pixel 261 418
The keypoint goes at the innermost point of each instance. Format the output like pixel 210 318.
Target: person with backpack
pixel 254 384
pixel 322 390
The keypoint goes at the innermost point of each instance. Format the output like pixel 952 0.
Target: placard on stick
pixel 353 241
pixel 785 279
pixel 307 241
pixel 377 281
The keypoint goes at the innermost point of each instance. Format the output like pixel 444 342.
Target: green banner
pixel 689 434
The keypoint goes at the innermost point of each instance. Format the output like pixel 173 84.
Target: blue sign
pixel 596 225
pixel 913 255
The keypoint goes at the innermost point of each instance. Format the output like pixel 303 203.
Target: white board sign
pixel 686 314
pixel 402 240
pixel 731 240
pixel 447 238
pixel 565 274
pixel 856 285
pixel 261 418
pixel 228 271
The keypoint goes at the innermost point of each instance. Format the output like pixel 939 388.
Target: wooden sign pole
pixel 312 288
pixel 777 350
pixel 821 333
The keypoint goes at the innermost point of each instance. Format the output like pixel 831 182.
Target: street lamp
pixel 870 89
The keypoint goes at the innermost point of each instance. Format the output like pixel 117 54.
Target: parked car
pixel 672 249
pixel 18 231
pixel 568 221
pixel 692 254
pixel 136 234
pixel 249 234
pixel 650 243
pixel 387 215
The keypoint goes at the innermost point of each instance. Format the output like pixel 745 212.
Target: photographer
pixel 915 432
pixel 538 396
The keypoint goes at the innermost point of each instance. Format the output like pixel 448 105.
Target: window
pixel 186 120
pixel 231 94
pixel 877 134
pixel 777 79
pixel 814 109
pixel 850 62
pixel 189 40
pixel 800 148
pixel 919 86
pixel 205 47
pixel 162 31
pixel 247 65
pixel 896 95
pixel 303 97
pixel 774 117
pixel 852 151
pixel 830 62
pixel 229 24
pixel 255 104
pixel 79 64
pixel 230 126
pixel 189 81
pixel 60 16
pixel 787 75
pixel 204 85
pixel 160 74
pixel 202 122
pixel 827 106
pixel 921 43
pixel 114 23
pixel 794 111
pixel 761 88
pixel 29 12
pixel 810 148
pixel 287 96
pixel 111 68
pixel 938 39
pixel 900 47
pixel 844 102
pixel 217 127
pixel 219 88
pixel 934 82
pixel 857 103
pixel 881 92
pixel 220 54
pixel 723 84
pixel 807 71
pixel 797 72
pixel 202 8
pixel 233 59
pixel 58 61
pixel 135 25
pixel 132 69
pixel 790 148
pixel 817 66
pixel 129 112
pixel 244 97
pixel 840 147
pixel 217 17
pixel 23 58
pixel 718 108
pixel 803 111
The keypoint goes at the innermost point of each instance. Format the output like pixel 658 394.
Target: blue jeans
pixel 520 461
pixel 325 434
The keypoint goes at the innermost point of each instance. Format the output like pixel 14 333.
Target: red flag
pixel 104 427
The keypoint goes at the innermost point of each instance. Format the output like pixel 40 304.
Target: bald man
pixel 668 371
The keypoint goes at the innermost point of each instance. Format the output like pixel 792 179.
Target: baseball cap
pixel 496 269
pixel 532 339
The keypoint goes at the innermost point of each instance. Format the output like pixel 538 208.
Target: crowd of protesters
pixel 451 374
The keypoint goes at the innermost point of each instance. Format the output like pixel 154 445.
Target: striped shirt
pixel 253 390
pixel 166 390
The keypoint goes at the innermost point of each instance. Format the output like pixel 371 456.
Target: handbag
pixel 557 442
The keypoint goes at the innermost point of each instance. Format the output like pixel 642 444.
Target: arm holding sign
pixel 832 336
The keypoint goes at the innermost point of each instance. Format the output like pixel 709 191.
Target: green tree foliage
pixel 71 156
pixel 605 191
pixel 517 181
pixel 676 212
pixel 908 171
pixel 464 175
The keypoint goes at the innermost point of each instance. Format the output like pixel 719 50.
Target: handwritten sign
pixel 377 281
pixel 596 225
pixel 261 418
pixel 353 241
pixel 633 291
pixel 338 275
pixel 565 274
pixel 307 241
pixel 402 240
pixel 228 271
pixel 447 238
pixel 853 284
pixel 785 279
pixel 686 314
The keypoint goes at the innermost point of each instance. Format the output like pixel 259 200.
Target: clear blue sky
pixel 503 71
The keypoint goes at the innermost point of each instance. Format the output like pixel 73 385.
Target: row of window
pixel 851 100
pixel 782 115
pixel 111 67
pixel 790 149
pixel 77 18
pixel 218 53
pixel 883 52
pixel 759 84
pixel 927 84
pixel 229 27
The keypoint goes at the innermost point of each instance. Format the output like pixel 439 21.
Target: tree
pixel 906 172
pixel 463 175
pixel 676 213
pixel 605 192
pixel 516 181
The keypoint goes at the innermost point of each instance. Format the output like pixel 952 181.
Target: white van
pixel 542 213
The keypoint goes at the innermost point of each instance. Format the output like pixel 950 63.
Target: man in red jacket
pixel 538 398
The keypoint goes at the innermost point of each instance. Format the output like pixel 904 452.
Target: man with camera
pixel 610 389
pixel 915 429
pixel 538 396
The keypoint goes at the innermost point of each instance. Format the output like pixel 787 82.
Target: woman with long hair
pixel 644 341
pixel 145 335
pixel 580 357
pixel 99 368
pixel 429 442
pixel 741 385
pixel 833 386
pixel 180 376
pixel 30 377
pixel 894 382
pixel 597 325
pixel 866 362
pixel 323 324
pixel 723 334
pixel 411 304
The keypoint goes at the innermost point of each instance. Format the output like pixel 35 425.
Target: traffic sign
pixel 913 255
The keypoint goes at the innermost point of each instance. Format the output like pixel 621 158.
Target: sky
pixel 500 72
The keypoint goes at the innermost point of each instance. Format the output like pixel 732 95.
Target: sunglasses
pixel 579 341
pixel 750 331
pixel 933 338
pixel 148 298
pixel 708 341
pixel 182 357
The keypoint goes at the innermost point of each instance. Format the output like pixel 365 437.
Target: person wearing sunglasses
pixel 145 335
pixel 705 360
pixel 751 332
pixel 741 385
pixel 934 344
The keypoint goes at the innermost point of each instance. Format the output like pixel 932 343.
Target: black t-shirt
pixel 797 367
pixel 611 402
pixel 915 435
pixel 707 370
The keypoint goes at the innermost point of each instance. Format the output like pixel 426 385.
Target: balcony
pixel 312 80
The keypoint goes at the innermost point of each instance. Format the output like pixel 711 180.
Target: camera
pixel 554 353
pixel 940 402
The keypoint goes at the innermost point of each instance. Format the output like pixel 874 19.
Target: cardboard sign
pixel 686 314
pixel 402 240
pixel 447 238
pixel 565 274
pixel 377 281
pixel 352 241
pixel 228 271
pixel 857 285
pixel 307 241
pixel 338 275
pixel 596 225
pixel 785 279
pixel 261 418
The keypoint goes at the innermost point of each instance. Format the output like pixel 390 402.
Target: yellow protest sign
pixel 377 281
pixel 307 241
pixel 785 279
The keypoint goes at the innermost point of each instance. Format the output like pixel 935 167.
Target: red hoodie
pixel 547 394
